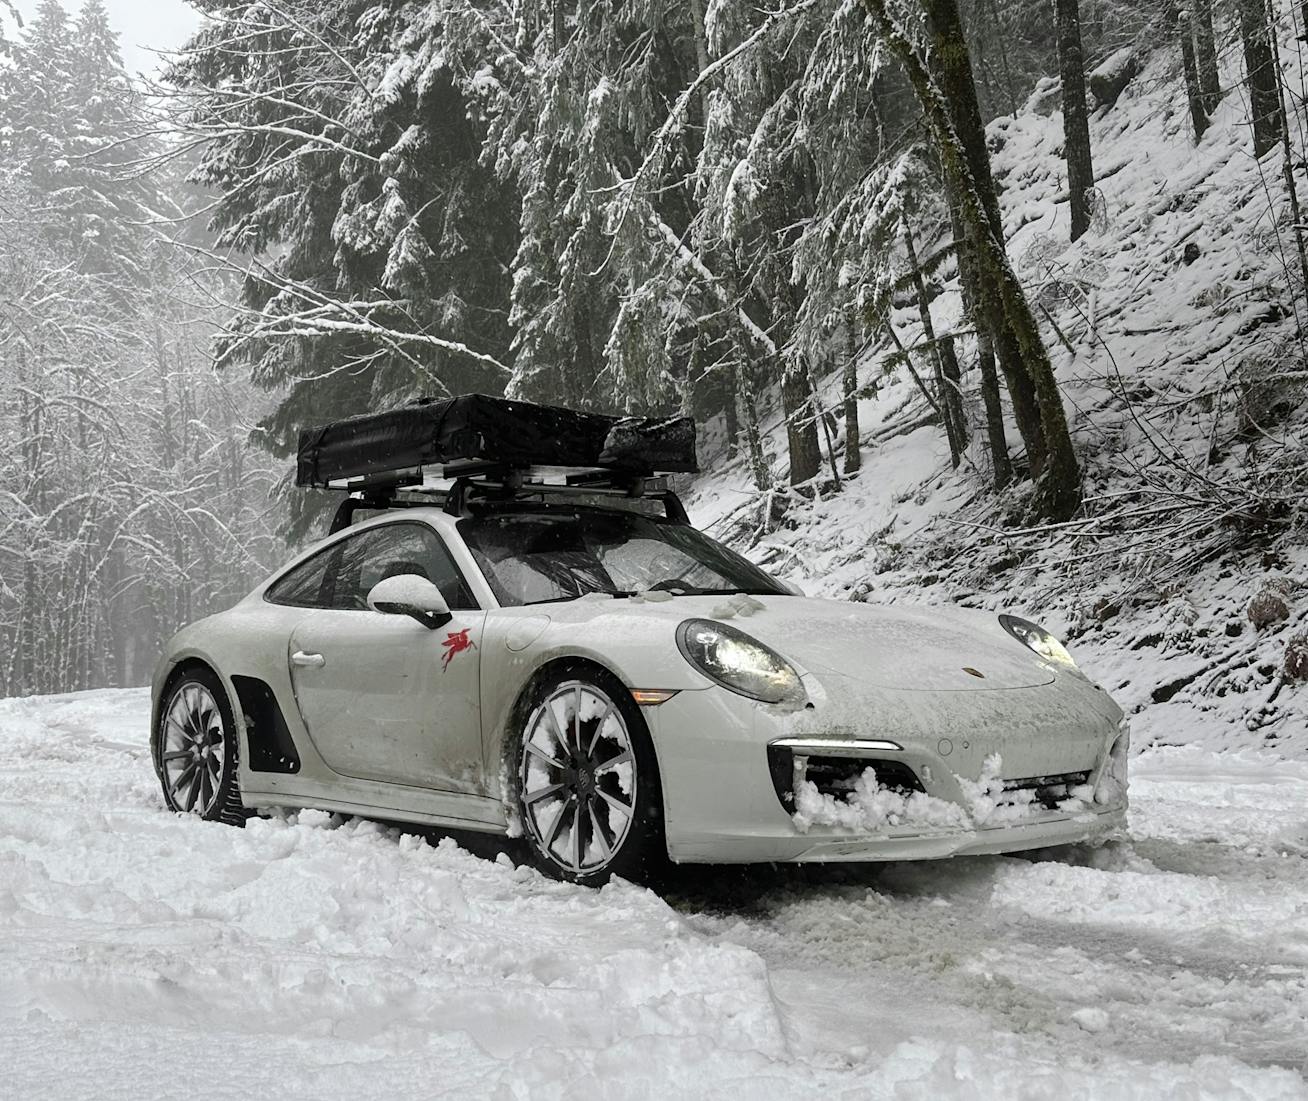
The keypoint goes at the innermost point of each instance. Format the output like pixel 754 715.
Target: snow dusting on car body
pixel 511 655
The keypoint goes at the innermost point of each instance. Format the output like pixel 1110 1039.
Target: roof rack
pixel 503 486
pixel 493 449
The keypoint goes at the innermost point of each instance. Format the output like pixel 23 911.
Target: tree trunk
pixel 1194 92
pixel 1076 119
pixel 1058 494
pixel 801 421
pixel 29 614
pixel 1205 44
pixel 589 364
pixel 1287 167
pixel 731 416
pixel 701 39
pixel 1260 67
pixel 985 352
pixel 954 392
pixel 1002 36
pixel 929 334
pixel 961 116
pixel 994 406
pixel 853 442
pixel 748 407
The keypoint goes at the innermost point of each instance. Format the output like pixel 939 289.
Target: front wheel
pixel 588 792
pixel 195 749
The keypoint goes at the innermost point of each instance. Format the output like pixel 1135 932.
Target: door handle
pixel 311 660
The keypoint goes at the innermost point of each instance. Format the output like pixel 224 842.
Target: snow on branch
pixel 659 143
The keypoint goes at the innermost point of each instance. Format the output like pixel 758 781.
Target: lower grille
pixel 1049 790
pixel 835 776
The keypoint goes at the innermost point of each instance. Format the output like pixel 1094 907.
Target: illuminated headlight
pixel 738 662
pixel 1035 637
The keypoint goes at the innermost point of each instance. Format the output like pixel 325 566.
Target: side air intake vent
pixel 271 747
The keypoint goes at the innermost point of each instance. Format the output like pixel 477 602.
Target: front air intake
pixel 834 775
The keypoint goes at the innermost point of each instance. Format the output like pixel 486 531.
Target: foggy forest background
pixel 708 206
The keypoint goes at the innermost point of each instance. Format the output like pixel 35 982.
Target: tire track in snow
pixel 1160 947
pixel 343 960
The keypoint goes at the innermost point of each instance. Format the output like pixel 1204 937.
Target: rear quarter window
pixel 306 585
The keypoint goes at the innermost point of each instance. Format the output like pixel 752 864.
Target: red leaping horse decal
pixel 455 643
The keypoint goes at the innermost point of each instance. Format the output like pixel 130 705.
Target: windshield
pixel 561 554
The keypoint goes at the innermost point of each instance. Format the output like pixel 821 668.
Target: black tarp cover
pixel 477 427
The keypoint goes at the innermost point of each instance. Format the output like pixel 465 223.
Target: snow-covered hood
pixel 897 647
pixel 882 646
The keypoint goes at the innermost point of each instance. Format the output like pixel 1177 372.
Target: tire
pixel 196 748
pixel 602 771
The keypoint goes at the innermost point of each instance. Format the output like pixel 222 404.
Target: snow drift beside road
pixel 147 955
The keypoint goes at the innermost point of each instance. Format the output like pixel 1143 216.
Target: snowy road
pixel 144 955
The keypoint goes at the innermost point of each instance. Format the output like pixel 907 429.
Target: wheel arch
pixel 178 666
pixel 168 677
pixel 520 710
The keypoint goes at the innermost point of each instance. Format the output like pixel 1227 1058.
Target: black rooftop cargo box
pixel 477 428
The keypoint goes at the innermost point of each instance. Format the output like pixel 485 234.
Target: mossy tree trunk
pixel 1058 493
pixel 991 398
pixel 951 83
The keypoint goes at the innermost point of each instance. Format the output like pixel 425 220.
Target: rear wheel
pixel 588 792
pixel 196 750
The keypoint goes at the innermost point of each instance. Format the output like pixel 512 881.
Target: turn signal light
pixel 651 697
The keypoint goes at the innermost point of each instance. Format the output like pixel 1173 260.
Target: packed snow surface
pixel 144 954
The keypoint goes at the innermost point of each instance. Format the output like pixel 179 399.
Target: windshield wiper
pixel 617 594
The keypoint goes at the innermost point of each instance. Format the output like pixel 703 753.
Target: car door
pixel 382 696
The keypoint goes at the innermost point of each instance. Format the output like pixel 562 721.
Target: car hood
pixel 896 647
pixel 901 647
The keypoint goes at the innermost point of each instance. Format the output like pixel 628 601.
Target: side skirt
pixel 374 800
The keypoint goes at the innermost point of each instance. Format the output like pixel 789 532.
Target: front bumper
pixel 721 801
pixel 901 843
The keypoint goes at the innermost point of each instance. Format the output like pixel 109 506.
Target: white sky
pixel 141 25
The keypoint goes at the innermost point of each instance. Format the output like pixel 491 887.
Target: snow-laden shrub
pixel 1268 606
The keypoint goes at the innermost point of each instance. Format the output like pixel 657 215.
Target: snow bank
pixel 147 955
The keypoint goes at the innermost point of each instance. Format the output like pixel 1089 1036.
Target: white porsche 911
pixel 540 653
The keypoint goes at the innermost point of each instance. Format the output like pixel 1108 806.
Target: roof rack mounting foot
pixel 345 511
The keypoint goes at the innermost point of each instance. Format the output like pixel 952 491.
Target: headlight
pixel 1035 637
pixel 738 662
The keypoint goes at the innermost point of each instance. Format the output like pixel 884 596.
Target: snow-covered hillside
pixel 1179 308
pixel 148 955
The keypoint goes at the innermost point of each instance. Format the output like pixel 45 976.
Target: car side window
pixel 306 586
pixel 392 549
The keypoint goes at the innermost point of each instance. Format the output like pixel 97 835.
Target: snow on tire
pixel 585 781
pixel 196 750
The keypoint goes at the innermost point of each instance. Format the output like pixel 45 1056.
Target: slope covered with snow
pixel 148 955
pixel 1172 324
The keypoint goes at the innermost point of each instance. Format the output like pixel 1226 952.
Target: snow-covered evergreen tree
pixel 348 165
pixel 129 505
